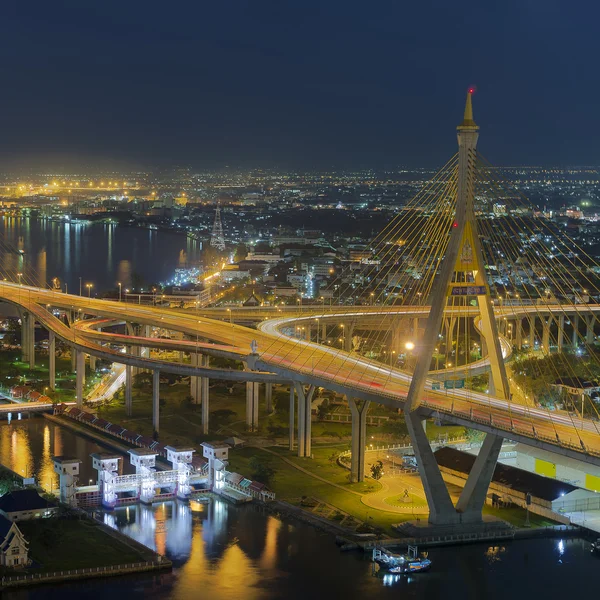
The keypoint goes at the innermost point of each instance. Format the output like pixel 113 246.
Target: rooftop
pixel 19 500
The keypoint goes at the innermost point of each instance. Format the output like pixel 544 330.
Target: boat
pixel 397 564
pixel 596 546
pixel 413 565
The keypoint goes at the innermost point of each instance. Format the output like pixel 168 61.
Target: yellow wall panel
pixel 592 482
pixel 543 467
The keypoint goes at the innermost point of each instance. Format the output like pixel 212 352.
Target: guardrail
pixel 31 578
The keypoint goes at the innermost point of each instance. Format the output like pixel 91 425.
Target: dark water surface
pixel 223 552
pixel 101 254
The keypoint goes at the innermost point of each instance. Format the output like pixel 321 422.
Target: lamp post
pixel 120 289
pixel 80 284
pixel 89 287
pixel 19 275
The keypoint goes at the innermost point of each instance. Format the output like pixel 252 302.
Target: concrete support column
pixel 52 359
pixel 292 411
pixel 532 332
pixel 80 376
pixel 24 335
pixel 575 335
pixel 92 362
pixel 156 400
pixel 359 438
pixel 304 419
pixel 472 497
pixel 28 339
pixel 415 330
pixel 204 384
pixel 323 332
pixel 519 333
pixel 561 332
pixel 252 399
pixel 195 383
pixel 348 333
pixel 128 390
pixel 269 397
pixel 589 329
pixel 135 351
pixel 441 509
pixel 73 360
pixel 546 334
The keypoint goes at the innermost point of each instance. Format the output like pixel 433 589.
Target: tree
pixel 240 252
pixel 377 470
pixel 260 471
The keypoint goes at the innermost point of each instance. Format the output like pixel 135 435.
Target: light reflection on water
pixel 224 552
pixel 100 253
pixel 27 448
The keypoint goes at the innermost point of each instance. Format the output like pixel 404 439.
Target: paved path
pixel 392 487
pixel 292 464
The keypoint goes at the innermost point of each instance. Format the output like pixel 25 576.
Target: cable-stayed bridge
pixel 465 294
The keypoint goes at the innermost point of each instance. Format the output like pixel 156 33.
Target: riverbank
pixel 87 548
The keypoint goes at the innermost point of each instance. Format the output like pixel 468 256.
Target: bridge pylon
pixel 462 275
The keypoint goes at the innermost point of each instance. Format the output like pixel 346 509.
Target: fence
pixel 34 578
pixel 443 441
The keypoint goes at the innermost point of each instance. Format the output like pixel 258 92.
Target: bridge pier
pixel 292 411
pixel 519 333
pixel 92 362
pixel 415 330
pixel 348 333
pixel 128 391
pixel 546 334
pixel 561 332
pixel 532 332
pixel 195 383
pixel 589 329
pixel 80 375
pixel 472 497
pixel 205 392
pixel 28 339
pixel 323 332
pixel 52 359
pixel 73 360
pixel 441 509
pixel 359 438
pixel 156 401
pixel 304 419
pixel 269 397
pixel 575 334
pixel 252 400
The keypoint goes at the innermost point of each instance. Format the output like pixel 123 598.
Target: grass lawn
pixel 516 516
pixel 59 544
pixel 290 485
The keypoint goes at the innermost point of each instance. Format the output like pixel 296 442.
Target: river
pixel 224 552
pixel 101 254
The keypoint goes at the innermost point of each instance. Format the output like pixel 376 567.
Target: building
pixel 14 549
pixel 22 505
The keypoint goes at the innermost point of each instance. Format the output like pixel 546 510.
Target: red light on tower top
pixel 471 90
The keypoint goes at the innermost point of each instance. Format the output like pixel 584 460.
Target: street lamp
pixel 120 289
pixel 89 287
pixel 80 287
pixel 19 275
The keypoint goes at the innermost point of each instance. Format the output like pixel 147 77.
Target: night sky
pixel 296 84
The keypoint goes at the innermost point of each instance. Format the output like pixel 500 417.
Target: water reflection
pixel 27 448
pixel 100 253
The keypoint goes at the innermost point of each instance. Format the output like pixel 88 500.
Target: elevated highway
pixel 281 358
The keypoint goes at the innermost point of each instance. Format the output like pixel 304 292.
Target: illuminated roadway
pixel 281 358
